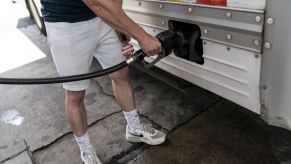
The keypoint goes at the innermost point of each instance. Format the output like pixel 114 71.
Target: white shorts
pixel 73 46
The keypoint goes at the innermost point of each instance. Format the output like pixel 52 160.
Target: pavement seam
pixel 181 124
pixel 114 159
pixel 70 132
pixel 13 156
pixel 16 154
pixel 153 122
pixel 136 146
pixel 168 131
pixel 93 123
pixel 196 115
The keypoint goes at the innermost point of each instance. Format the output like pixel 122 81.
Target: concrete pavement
pixel 201 127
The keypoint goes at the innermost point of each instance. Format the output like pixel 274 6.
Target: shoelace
pixel 88 158
pixel 148 129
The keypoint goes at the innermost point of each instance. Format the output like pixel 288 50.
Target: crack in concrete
pixel 92 124
pixel 154 123
pixel 196 115
pixel 136 146
pixel 131 155
pixel 116 158
pixel 70 132
pixel 13 156
pixel 16 154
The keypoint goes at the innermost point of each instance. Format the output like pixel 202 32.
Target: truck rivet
pixel 268 45
pixel 270 20
pixel 228 14
pixel 190 10
pixel 228 36
pixel 257 56
pixel 256 42
pixel 139 3
pixel 258 19
pixel 206 31
pixel 161 6
pixel 163 22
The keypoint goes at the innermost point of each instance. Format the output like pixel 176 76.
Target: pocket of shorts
pixel 47 26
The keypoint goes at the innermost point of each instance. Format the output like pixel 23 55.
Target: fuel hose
pixel 166 38
pixel 36 81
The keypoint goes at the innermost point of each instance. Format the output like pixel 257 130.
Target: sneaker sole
pixel 156 142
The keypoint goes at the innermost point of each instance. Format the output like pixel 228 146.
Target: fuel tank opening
pixel 188 41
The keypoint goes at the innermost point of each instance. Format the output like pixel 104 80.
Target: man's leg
pixel 76 112
pixel 77 117
pixel 109 53
pixel 125 97
pixel 135 131
pixel 72 46
pixel 123 90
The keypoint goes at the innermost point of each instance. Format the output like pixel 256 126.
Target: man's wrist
pixel 136 32
pixel 141 37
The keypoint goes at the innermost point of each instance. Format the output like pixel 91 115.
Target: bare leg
pixel 76 112
pixel 123 90
pixel 124 95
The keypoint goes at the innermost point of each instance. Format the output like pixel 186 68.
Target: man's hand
pixel 150 45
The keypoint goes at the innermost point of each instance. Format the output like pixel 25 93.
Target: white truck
pixel 242 52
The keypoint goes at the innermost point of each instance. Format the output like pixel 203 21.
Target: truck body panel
pixel 246 51
pixel 231 66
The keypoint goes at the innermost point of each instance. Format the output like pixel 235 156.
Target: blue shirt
pixel 66 11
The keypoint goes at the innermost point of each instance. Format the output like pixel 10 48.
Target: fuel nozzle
pixel 167 41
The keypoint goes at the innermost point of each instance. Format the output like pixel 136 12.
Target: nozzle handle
pixel 160 56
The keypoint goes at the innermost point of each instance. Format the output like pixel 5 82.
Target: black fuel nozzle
pixel 166 39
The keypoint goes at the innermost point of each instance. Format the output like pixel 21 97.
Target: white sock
pixel 84 142
pixel 132 119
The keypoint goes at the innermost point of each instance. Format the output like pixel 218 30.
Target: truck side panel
pixel 232 61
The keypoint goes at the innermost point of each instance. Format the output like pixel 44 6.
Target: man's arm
pixel 110 11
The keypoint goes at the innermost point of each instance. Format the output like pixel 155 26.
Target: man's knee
pixel 75 96
pixel 120 76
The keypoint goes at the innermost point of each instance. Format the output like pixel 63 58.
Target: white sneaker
pixel 145 134
pixel 89 156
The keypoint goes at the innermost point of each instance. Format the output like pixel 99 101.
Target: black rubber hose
pixel 64 79
pixel 138 55
pixel 166 39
